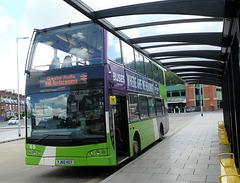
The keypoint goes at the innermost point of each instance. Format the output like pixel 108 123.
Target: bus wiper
pixel 47 135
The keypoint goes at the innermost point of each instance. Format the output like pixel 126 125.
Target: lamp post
pixel 201 104
pixel 19 124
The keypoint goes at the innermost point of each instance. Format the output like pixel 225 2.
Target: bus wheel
pixel 161 134
pixel 136 148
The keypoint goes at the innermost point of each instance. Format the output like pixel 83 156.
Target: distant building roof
pixel 176 87
pixel 177 100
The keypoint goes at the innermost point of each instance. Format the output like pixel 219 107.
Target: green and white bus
pixel 91 99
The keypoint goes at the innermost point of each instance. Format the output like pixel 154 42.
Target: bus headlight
pixel 100 152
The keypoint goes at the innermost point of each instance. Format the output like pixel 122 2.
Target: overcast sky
pixel 18 18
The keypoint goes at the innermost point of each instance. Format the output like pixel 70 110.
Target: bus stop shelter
pixel 203 56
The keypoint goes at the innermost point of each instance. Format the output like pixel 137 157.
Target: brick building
pixel 209 96
pixel 9 104
pixel 181 96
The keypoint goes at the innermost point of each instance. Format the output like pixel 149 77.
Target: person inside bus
pixel 67 62
pixel 55 63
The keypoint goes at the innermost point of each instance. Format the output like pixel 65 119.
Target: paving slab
pixel 187 156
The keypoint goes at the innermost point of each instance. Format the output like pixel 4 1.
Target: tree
pixel 171 79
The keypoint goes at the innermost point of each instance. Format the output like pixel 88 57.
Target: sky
pixel 18 18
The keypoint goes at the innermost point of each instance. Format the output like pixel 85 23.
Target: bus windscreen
pixel 76 45
pixel 75 116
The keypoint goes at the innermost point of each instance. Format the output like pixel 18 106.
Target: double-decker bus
pixel 91 99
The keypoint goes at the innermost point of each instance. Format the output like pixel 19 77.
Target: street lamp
pixel 201 104
pixel 19 124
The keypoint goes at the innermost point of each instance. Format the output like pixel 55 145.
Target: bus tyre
pixel 160 134
pixel 136 148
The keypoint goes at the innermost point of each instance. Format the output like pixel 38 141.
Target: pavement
pixel 10 132
pixel 188 156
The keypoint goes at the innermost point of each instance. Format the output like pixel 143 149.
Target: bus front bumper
pixel 71 161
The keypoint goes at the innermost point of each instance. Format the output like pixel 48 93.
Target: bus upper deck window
pixel 78 45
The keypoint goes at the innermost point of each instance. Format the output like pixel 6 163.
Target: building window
pixel 183 93
pixel 168 94
pixel 175 94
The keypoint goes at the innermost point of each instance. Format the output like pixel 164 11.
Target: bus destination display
pixel 63 80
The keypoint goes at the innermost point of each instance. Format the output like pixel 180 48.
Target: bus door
pixel 121 129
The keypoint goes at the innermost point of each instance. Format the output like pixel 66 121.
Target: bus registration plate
pixel 65 162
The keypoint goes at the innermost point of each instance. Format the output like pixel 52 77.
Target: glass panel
pixel 161 76
pixel 139 62
pixel 159 107
pixel 133 108
pixel 163 106
pixel 151 107
pixel 66 47
pixel 155 73
pixel 75 115
pixel 175 94
pixel 148 68
pixel 114 51
pixel 183 93
pixel 143 106
pixel 168 94
pixel 128 57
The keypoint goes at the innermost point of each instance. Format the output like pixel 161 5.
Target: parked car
pixel 193 109
pixel 13 121
pixel 170 109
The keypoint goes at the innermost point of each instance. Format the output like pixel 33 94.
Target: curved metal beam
pixel 189 73
pixel 206 38
pixel 170 57
pixel 88 12
pixel 204 82
pixel 169 22
pixel 200 78
pixel 211 8
pixel 166 45
pixel 210 54
pixel 213 64
pixel 194 68
pixel 206 70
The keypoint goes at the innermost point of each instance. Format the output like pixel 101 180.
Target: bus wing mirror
pixel 112 100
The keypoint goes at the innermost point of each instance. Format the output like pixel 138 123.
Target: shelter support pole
pixel 235 72
pixel 231 99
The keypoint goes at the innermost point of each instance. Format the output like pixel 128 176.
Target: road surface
pixel 13 168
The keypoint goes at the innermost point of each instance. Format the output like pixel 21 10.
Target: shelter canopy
pixel 190 38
